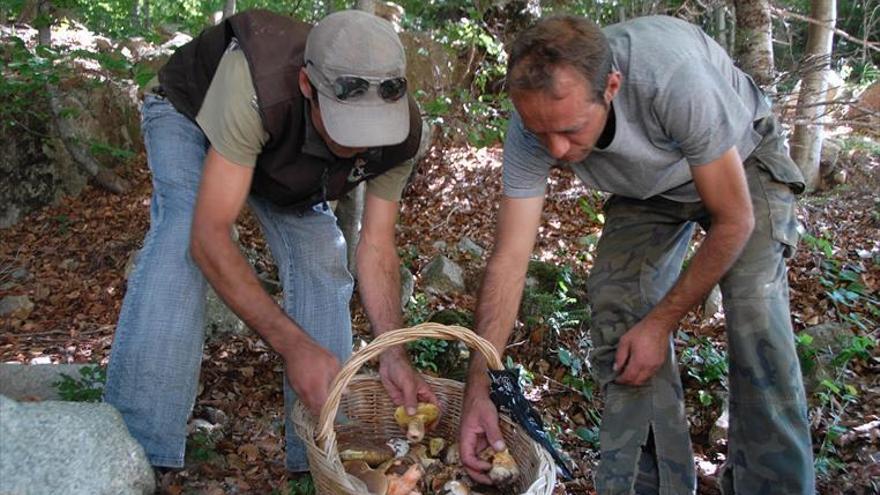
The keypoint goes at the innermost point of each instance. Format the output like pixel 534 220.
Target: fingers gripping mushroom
pixel 504 470
pixel 426 416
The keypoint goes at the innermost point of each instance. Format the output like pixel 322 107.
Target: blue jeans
pixel 157 350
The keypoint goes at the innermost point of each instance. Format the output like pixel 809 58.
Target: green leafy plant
pixel 575 376
pixel 418 310
pixel 201 446
pixel 426 353
pixel 89 387
pixel 552 301
pixel 301 486
pixel 807 352
pixel 591 205
pixel 705 364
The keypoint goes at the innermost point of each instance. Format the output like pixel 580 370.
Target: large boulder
pixel 431 67
pixel 71 448
pixel 42 151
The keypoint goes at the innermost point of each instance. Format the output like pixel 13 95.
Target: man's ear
pixel 304 86
pixel 612 86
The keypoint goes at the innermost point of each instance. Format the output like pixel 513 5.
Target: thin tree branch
pixel 779 12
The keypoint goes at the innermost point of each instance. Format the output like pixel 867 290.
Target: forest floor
pixel 75 254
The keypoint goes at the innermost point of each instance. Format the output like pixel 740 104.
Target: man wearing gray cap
pixel 285 116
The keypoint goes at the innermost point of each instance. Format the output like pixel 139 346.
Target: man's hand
pixel 641 352
pixel 403 384
pixel 479 429
pixel 310 370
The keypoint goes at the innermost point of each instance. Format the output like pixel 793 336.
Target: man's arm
pixel 222 193
pixel 378 269
pixel 724 191
pixel 497 309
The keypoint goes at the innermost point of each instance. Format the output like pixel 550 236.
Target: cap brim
pixel 365 126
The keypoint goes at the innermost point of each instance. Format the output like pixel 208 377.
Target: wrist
pixel 396 353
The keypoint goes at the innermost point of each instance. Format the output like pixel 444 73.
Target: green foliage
pixel 552 302
pixel 576 376
pixel 99 148
pixel 426 353
pixel 858 348
pixel 202 447
pixel 63 222
pixel 591 205
pixel 707 365
pixel 23 83
pixel 807 352
pixel 589 435
pixel 89 387
pixel 526 377
pixel 418 310
pixel 301 486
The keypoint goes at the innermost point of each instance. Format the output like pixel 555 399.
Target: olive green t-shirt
pixel 230 119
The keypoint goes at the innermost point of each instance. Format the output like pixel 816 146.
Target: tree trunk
pixel 228 8
pixel 44 22
pixel 145 14
pixel 806 143
pixel 135 15
pixel 721 27
pixel 754 40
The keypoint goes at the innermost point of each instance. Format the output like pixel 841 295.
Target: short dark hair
pixel 558 41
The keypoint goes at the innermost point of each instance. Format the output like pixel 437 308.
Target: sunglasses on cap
pixel 347 88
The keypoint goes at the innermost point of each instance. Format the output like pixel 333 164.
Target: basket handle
pixel 326 433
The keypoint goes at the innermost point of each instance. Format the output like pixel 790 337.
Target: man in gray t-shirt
pixel 655 112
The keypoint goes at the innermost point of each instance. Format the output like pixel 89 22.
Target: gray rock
pixel 131 263
pixel 219 319
pixel 439 245
pixel 407 286
pixel 199 424
pixel 468 246
pixel 828 337
pixel 68 264
pixel 12 277
pixel 719 430
pixel 216 416
pixel 442 276
pixel 712 304
pixel 828 340
pixel 35 381
pixel 830 154
pixel 16 306
pixel 71 448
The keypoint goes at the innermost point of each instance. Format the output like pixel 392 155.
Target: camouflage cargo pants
pixel 639 258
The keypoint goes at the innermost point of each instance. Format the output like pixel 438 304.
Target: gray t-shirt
pixel 681 104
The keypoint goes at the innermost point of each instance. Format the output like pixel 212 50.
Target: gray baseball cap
pixel 353 43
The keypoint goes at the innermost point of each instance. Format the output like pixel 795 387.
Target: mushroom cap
pixel 376 481
pixel 427 411
pixel 504 469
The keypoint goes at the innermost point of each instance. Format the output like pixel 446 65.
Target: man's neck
pixel 610 126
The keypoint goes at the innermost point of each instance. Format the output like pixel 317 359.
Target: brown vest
pixel 273 45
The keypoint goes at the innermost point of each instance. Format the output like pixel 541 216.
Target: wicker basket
pixel 371 416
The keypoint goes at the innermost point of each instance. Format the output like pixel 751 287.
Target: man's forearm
pixel 235 282
pixel 497 309
pixel 723 244
pixel 379 285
